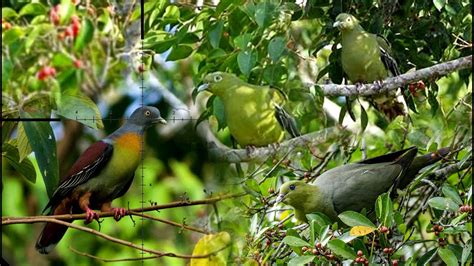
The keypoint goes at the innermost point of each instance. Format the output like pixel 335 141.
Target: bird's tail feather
pixel 52 233
pixel 286 121
pixel 421 162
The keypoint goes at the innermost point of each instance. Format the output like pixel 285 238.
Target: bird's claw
pixel 378 84
pixel 90 216
pixel 250 149
pixel 119 213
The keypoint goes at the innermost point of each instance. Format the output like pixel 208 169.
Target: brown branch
pixel 117 240
pixel 109 260
pixel 15 220
pixel 187 227
pixel 264 153
pixel 394 83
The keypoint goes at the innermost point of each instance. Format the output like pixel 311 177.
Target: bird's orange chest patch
pixel 130 141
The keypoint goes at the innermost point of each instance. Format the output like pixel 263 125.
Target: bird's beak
pixel 161 121
pixel 203 87
pixel 280 198
pixel 336 24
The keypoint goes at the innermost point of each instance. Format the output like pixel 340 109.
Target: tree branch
pixel 263 153
pixel 117 240
pixel 28 219
pixel 394 83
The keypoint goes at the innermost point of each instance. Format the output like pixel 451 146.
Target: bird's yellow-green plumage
pixel 366 58
pixel 355 186
pixel 251 111
pixel 360 54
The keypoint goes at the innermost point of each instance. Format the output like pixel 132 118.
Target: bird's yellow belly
pixel 254 125
pixel 117 173
pixel 362 62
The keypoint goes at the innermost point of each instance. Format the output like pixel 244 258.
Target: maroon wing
pixel 89 165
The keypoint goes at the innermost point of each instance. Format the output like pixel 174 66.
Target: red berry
pixel 6 25
pixel 315 251
pixel 420 85
pixel 304 249
pixel 383 230
pixel 360 253
pixel 411 88
pixel 69 31
pixel 46 72
pixel 436 233
pixel 318 245
pixel 440 228
pixel 141 68
pixel 386 250
pixel 75 29
pixel 435 227
pixel 54 15
pixel 78 63
pixel 395 262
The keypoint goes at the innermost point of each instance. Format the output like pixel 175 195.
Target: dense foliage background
pixel 82 60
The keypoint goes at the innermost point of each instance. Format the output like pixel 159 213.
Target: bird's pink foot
pixel 91 215
pixel 359 85
pixel 119 213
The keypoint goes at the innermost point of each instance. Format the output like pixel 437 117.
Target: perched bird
pixel 367 58
pixel 355 186
pixel 253 113
pixel 102 173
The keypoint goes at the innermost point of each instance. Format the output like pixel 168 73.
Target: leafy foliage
pixel 61 59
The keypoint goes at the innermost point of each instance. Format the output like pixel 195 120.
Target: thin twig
pixel 15 220
pixel 187 227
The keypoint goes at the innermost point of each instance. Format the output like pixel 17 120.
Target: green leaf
pixel 66 9
pixel 85 35
pixel 243 41
pixel 448 257
pixel 427 257
pixel 42 141
pixel 179 52
pixel 341 249
pixel 246 61
pixel 364 119
pixel 342 114
pixel 8 13
pixel 171 13
pixel 451 193
pixel 76 106
pixel 24 167
pixel 264 14
pixel 215 34
pixel 301 260
pixel 466 253
pixel 441 203
pixel 352 218
pixel 12 35
pixel 62 60
pixel 384 209
pixel 24 148
pixel 7 68
pixel 295 242
pixel 32 9
pixel 439 4
pixel 276 47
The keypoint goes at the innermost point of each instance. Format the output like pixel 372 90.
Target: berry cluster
pixel 465 208
pixel 437 229
pixel 361 258
pixel 46 72
pixel 414 88
pixel 384 230
pixel 319 250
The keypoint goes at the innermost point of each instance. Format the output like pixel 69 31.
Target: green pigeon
pixel 367 58
pixel 254 114
pixel 355 186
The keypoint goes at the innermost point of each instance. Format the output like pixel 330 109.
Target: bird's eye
pixel 147 113
pixel 217 78
pixel 292 187
pixel 348 19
